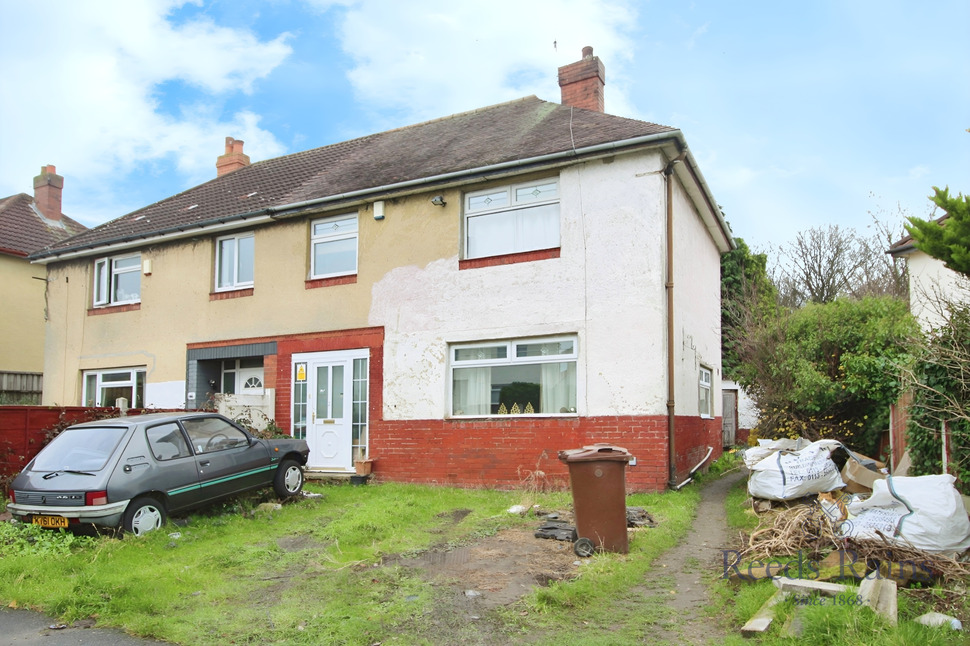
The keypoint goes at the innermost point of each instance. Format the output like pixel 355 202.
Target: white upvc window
pixel 512 219
pixel 117 280
pixel 705 404
pixel 104 387
pixel 235 258
pixel 333 246
pixel 515 377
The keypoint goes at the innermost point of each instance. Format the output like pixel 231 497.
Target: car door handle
pixel 204 463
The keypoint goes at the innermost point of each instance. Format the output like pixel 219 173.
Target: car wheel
pixel 289 479
pixel 143 515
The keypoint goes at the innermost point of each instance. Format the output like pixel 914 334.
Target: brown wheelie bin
pixel 597 477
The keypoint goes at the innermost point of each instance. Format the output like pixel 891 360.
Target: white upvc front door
pixel 335 406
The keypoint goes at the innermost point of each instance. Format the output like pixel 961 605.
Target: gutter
pixel 275 212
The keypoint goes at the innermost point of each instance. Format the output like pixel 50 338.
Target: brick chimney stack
pixel 234 159
pixel 47 192
pixel 582 82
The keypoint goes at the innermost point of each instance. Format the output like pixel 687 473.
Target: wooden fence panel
pixel 24 430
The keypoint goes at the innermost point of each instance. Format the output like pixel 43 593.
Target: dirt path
pixel 683 574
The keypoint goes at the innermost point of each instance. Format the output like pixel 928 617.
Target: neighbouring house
pixel 27 224
pixel 931 285
pixel 458 299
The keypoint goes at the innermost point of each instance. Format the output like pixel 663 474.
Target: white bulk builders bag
pixel 926 512
pixel 786 475
pixel 765 448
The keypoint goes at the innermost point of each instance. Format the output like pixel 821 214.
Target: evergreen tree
pixel 946 239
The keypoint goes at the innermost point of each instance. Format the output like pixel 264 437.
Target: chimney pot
pixel 48 187
pixel 234 159
pixel 582 82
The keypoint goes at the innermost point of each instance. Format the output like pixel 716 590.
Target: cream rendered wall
pixel 929 281
pixel 606 287
pixel 22 322
pixel 176 309
pixel 697 305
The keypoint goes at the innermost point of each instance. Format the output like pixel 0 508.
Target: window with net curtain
pixel 518 377
pixel 512 219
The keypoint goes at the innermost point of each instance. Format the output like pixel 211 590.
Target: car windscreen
pixel 80 449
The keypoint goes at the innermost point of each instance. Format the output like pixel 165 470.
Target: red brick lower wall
pixel 520 452
pixel 694 436
pixel 502 453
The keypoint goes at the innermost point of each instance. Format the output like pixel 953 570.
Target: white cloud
pixel 82 79
pixel 700 31
pixel 917 172
pixel 426 59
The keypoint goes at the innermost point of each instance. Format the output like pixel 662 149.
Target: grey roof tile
pixel 502 133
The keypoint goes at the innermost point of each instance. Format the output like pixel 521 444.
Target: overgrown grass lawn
pixel 305 574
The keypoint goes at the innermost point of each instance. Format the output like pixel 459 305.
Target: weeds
pixel 19 539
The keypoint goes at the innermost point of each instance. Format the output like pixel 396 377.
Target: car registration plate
pixel 49 521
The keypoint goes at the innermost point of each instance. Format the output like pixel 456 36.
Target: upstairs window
pixel 520 377
pixel 117 280
pixel 235 256
pixel 333 243
pixel 512 219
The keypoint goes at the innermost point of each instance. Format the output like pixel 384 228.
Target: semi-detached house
pixel 458 299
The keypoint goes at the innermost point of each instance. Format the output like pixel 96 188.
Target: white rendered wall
pixel 166 394
pixel 606 287
pixel 931 283
pixel 697 308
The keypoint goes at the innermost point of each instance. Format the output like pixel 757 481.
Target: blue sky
pixel 800 114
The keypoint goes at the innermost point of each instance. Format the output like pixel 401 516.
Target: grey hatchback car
pixel 131 472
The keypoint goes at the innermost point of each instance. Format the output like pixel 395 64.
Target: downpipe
pixel 669 287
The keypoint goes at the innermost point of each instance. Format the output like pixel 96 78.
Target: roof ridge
pixel 456 115
pixel 372 135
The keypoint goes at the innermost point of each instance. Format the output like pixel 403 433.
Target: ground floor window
pixel 104 387
pixel 705 405
pixel 242 376
pixel 359 410
pixel 299 400
pixel 516 377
